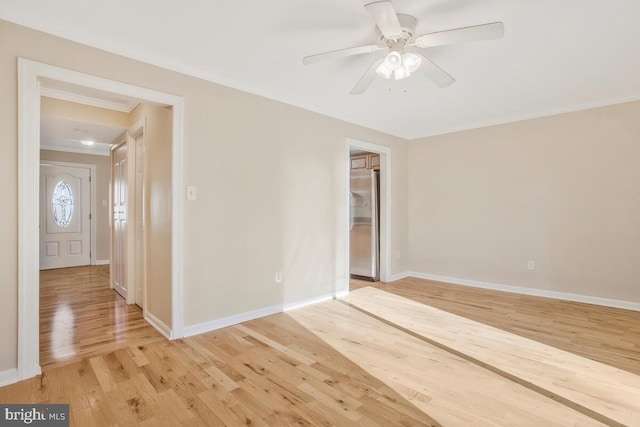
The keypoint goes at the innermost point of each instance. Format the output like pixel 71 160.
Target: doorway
pixel 377 161
pixel 31 76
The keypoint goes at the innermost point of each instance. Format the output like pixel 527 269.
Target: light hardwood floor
pixel 600 391
pixel 328 364
pixel 81 317
pixel 603 334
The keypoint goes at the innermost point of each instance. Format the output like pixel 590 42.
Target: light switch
pixel 104 203
pixel 191 192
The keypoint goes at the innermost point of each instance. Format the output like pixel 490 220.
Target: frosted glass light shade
pixel 393 61
pixel 383 71
pixel 411 62
pixel 401 65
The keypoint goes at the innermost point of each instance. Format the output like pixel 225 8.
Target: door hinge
pixel 89 217
pixel 89 178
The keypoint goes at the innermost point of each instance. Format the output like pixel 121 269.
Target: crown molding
pixel 125 107
pixel 93 152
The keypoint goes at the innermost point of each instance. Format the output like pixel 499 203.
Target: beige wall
pixel 103 176
pixel 270 177
pixel 561 190
pixel 157 203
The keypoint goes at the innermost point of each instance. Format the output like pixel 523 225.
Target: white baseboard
pixel 102 262
pixel 158 325
pixel 315 300
pixel 398 276
pixel 10 376
pixel 627 305
pixel 212 325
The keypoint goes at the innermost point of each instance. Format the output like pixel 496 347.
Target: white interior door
pixel 65 215
pixel 119 230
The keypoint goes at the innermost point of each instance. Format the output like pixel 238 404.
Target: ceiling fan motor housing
pixel 408 24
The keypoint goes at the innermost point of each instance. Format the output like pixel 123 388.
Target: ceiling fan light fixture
pixel 401 73
pixel 393 61
pixel 411 62
pixel 383 71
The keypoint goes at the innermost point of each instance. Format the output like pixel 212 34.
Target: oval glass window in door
pixel 62 204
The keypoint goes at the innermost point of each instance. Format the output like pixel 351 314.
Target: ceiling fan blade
pixel 434 73
pixel 366 80
pixel 340 53
pixel 385 18
pixel 494 30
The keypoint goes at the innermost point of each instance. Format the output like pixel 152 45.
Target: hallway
pixel 81 317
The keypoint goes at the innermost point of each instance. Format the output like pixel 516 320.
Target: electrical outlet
pixel 191 192
pixel 278 276
pixel 531 265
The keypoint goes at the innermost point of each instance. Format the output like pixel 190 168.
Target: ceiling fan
pixel 397 37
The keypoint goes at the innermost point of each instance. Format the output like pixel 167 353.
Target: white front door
pixel 65 214
pixel 119 197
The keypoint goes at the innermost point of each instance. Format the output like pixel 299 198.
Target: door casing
pixel 385 205
pixel 30 76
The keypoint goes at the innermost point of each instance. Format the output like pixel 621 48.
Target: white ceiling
pixel 66 135
pixel 557 55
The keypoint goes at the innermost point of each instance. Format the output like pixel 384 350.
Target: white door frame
pixel 139 129
pixel 385 204
pixel 92 202
pixel 30 74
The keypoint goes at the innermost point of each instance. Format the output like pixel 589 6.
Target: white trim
pixel 28 220
pixel 93 224
pixel 136 130
pixel 29 75
pixel 92 152
pixel 314 300
pixel 627 305
pixel 399 276
pixel 158 325
pixel 89 100
pixel 103 262
pixel 234 319
pixel 529 116
pixel 10 376
pixel 177 219
pixel 385 203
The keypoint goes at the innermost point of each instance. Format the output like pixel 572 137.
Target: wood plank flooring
pixel 328 364
pixel 451 389
pixel 578 382
pixel 81 317
pixel 604 334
